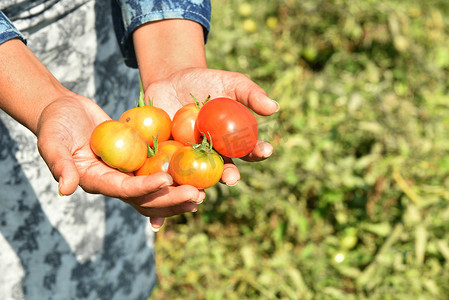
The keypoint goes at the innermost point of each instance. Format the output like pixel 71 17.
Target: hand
pixel 64 130
pixel 175 91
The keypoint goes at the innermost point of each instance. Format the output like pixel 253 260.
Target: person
pixel 62 72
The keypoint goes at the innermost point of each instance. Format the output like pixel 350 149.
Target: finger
pixel 170 196
pixel 166 212
pixel 60 162
pixel 253 96
pixel 261 152
pixel 113 183
pixel 156 223
pixel 231 174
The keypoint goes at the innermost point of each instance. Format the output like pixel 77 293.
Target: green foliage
pixel 353 204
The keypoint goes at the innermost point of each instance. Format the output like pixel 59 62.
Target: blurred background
pixel 354 202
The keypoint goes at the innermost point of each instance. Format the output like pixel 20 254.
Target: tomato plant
pixel 232 126
pixel 119 145
pixel 183 126
pixel 200 165
pixel 149 120
pixel 158 158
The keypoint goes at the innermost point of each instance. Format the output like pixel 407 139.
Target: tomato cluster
pixel 145 140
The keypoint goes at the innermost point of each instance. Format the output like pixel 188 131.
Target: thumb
pixel 253 96
pixel 60 162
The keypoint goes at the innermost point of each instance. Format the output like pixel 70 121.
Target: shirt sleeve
pixel 8 30
pixel 130 14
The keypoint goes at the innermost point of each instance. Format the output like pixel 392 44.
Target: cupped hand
pixel 63 134
pixel 175 91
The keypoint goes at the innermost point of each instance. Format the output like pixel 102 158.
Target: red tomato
pixel 119 146
pixel 232 126
pixel 199 166
pixel 159 160
pixel 183 128
pixel 150 121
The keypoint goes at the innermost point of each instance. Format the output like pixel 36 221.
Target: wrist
pixel 26 86
pixel 168 46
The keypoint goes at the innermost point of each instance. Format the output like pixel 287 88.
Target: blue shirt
pixel 129 14
pixel 8 30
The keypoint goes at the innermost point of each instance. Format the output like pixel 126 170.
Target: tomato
pixel 150 121
pixel 199 166
pixel 158 159
pixel 183 126
pixel 232 126
pixel 119 145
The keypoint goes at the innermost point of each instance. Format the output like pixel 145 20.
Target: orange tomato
pixel 150 121
pixel 200 166
pixel 119 146
pixel 183 126
pixel 158 159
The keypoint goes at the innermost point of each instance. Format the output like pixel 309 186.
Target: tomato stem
pixel 152 152
pixel 141 101
pixel 207 99
pixel 197 103
pixel 210 139
pixel 205 145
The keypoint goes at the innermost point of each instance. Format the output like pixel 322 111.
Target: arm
pixel 167 38
pixel 175 67
pixel 172 62
pixel 180 45
pixel 26 86
pixel 63 122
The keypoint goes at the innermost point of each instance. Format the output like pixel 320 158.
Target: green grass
pixel 353 204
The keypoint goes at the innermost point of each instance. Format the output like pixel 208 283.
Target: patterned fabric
pixel 82 246
pixel 127 16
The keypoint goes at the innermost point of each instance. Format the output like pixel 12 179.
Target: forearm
pixel 26 86
pixel 164 47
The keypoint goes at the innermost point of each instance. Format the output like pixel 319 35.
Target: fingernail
pixel 225 176
pixel 194 209
pixel 265 156
pixel 168 182
pixel 278 106
pixel 169 179
pixel 268 154
pixel 200 199
pixel 59 187
pixel 154 229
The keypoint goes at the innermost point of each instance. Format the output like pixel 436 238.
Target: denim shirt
pixel 129 14
pixel 8 30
